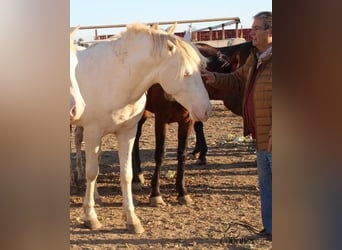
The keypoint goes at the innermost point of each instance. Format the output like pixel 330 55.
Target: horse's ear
pixel 73 30
pixel 155 26
pixel 171 47
pixel 72 35
pixel 171 29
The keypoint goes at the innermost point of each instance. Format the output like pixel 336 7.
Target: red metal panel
pixel 205 35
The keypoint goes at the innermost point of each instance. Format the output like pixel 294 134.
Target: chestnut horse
pixel 167 110
pixel 236 56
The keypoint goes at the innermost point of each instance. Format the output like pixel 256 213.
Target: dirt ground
pixel 226 208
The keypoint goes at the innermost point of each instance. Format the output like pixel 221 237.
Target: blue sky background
pixel 104 12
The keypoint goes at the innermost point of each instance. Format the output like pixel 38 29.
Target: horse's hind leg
pixel 201 148
pixel 138 177
pixel 160 134
pixel 79 162
pixel 184 129
pixel 73 185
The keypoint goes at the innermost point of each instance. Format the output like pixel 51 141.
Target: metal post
pixel 236 29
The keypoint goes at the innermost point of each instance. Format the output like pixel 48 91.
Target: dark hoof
pixel 157 201
pixel 193 156
pixel 136 202
pixel 185 200
pixel 98 201
pixel 201 162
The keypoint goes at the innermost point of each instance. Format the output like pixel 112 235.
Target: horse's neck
pixel 143 81
pixel 136 72
pixel 144 70
pixel 214 94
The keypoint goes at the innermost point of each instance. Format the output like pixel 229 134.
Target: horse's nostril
pixel 206 115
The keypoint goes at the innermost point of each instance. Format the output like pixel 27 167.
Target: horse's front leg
pixel 92 149
pixel 184 128
pixel 126 141
pixel 160 134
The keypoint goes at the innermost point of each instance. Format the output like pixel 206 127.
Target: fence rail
pixel 111 26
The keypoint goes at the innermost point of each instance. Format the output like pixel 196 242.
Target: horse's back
pixel 243 49
pixel 235 41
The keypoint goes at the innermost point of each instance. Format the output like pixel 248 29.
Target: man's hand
pixel 208 77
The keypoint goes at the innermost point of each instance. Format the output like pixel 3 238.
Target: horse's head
pixel 237 54
pixel 77 104
pixel 179 75
pixel 174 64
pixel 217 61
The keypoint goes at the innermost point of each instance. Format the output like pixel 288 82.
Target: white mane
pixel 191 58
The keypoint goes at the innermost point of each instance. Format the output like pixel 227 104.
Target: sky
pixel 106 12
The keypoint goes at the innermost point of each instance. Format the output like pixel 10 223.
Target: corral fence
pixel 214 32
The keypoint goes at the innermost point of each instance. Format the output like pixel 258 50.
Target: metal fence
pixel 211 28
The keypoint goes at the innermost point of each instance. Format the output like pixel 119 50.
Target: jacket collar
pixel 262 57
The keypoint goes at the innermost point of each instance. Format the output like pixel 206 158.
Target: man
pixel 254 78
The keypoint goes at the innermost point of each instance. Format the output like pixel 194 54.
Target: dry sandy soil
pixel 225 194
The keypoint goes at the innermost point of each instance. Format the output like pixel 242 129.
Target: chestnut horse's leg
pixel 160 134
pixel 184 129
pixel 201 144
pixel 73 185
pixel 79 164
pixel 138 177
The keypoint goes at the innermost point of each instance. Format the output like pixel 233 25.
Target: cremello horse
pixel 113 77
pixel 76 100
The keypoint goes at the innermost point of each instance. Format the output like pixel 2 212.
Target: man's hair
pixel 267 17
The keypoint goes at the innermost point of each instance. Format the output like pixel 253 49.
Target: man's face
pixel 261 37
